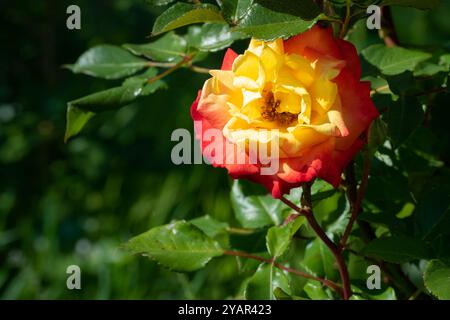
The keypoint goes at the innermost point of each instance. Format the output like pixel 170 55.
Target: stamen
pixel 270 111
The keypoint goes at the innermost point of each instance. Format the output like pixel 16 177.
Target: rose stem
pixel 308 214
pixel 325 282
pixel 356 204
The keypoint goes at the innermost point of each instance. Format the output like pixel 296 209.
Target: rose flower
pixel 305 93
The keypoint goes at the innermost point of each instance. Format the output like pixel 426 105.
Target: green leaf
pixel 210 226
pixel 437 279
pixel 270 19
pixel 211 36
pixel 321 190
pixel 404 116
pixel 76 119
pixel 280 294
pixel 427 69
pixel 444 60
pixel 80 111
pixel 255 210
pixel 179 246
pixel 263 283
pixel 279 237
pixel 182 14
pixel 395 60
pixel 432 207
pixel 109 99
pixel 377 135
pixel 419 4
pixel 397 249
pixel 108 62
pixel 360 289
pixel 141 81
pixel 168 48
pixel 234 10
pixel 319 260
pixel 315 291
pixel 158 2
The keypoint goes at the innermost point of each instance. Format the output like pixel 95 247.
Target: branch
pixel 307 213
pixel 344 26
pixel 170 65
pixel 387 31
pixel 185 60
pixel 332 285
pixel 356 206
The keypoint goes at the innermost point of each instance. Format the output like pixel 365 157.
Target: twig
pixel 377 90
pixel 185 60
pixel 356 206
pixel 240 231
pixel 344 26
pixel 307 213
pixel 171 65
pixel 387 31
pixel 325 282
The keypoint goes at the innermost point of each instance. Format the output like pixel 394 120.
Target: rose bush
pixel 299 103
pixel 306 91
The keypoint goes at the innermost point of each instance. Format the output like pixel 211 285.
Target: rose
pixel 306 91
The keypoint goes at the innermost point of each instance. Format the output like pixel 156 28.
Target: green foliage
pixel 81 110
pixel 255 208
pixel 395 60
pixel 179 246
pixel 437 279
pixel 182 14
pixel 234 10
pixel 76 203
pixel 397 249
pixel 264 281
pixel 169 47
pixel 279 237
pixel 419 4
pixel 404 116
pixel 269 20
pixel 212 37
pixel 108 62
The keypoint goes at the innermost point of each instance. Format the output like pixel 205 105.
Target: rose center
pixel 270 111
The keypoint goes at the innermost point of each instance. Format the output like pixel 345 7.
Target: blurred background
pixel 76 203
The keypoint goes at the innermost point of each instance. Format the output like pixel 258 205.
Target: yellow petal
pixel 324 92
pixel 301 69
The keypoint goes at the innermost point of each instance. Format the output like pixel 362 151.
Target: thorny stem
pixel 356 205
pixel 307 213
pixel 328 283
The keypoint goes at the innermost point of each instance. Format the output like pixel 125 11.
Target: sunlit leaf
pixel 179 246
pixel 108 62
pixel 182 14
pixel 394 60
pixel 168 48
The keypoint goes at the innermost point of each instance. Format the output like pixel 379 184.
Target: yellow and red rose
pixel 307 90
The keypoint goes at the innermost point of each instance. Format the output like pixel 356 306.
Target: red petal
pixel 358 110
pixel 317 38
pixel 350 55
pixel 228 59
